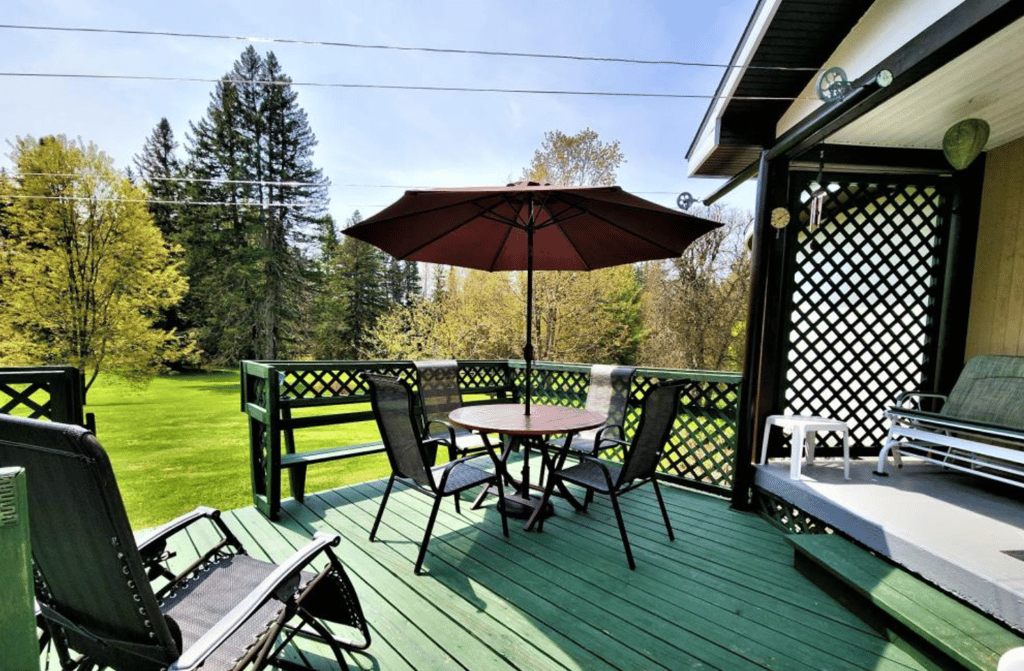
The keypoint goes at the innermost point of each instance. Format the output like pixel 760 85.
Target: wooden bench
pixel 274 394
pixel 915 615
pixel 978 428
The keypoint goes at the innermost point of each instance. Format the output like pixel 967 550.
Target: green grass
pixel 183 442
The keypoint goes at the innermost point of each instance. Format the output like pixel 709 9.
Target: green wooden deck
pixel 723 595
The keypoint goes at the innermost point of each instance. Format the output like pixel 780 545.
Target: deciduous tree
pixel 695 306
pixel 87 270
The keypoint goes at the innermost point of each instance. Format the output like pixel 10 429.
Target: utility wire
pixel 155 201
pixel 213 180
pixel 391 87
pixel 289 184
pixel 389 47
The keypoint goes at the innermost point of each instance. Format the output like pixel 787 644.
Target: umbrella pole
pixel 528 350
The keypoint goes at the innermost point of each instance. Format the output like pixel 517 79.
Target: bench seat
pixel 978 429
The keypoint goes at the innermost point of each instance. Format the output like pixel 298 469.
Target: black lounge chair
pixel 438 383
pixel 106 600
pixel 660 408
pixel 411 457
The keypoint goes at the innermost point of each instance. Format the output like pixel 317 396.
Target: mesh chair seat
pixel 202 602
pixel 589 474
pixel 462 476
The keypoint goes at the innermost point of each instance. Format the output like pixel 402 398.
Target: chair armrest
pixel 167 530
pixel 907 395
pixel 600 437
pixel 198 652
pixel 448 427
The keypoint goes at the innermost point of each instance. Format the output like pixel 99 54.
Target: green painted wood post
pixel 17 610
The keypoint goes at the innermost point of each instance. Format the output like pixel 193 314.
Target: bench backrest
pixel 991 390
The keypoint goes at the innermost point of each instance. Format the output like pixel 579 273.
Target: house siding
pixel 997 303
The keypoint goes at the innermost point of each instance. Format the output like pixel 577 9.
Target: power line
pixel 290 184
pixel 390 47
pixel 156 201
pixel 204 180
pixel 390 87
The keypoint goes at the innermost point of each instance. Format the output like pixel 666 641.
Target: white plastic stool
pixel 804 430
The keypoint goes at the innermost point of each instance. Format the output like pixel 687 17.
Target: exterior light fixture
pixel 964 141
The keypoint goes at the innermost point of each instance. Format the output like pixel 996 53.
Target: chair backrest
pixel 609 391
pixel 658 414
pixel 438 382
pixel 393 408
pixel 83 548
pixel 990 389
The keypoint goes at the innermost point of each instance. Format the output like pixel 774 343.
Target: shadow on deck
pixel 723 595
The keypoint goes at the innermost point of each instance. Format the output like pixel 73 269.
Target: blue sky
pixel 388 139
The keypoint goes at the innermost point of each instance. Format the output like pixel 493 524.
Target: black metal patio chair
pixel 608 394
pixel 439 393
pixel 411 460
pixel 106 600
pixel 660 408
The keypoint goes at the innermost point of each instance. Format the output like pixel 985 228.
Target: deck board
pixel 723 595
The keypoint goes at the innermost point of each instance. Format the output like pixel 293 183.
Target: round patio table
pixel 529 431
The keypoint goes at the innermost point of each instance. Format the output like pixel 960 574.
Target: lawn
pixel 183 442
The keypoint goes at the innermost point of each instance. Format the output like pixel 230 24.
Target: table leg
pixel 797 448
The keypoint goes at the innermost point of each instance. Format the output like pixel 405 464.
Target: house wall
pixel 997 302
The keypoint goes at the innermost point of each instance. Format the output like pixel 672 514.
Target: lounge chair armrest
pixel 907 395
pixel 167 530
pixel 211 640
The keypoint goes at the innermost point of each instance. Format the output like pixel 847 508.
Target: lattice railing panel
pixel 863 304
pixel 702 447
pixel 30 399
pixel 785 515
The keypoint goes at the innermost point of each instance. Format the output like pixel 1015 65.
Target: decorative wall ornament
pixel 818 196
pixel 779 218
pixel 964 141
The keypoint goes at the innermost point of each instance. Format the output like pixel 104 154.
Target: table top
pixel 510 418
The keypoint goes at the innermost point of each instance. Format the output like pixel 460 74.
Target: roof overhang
pixel 966 63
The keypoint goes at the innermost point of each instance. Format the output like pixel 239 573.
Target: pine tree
pixel 363 287
pixel 246 259
pixel 160 173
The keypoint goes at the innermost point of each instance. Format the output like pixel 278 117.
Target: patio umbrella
pixel 529 226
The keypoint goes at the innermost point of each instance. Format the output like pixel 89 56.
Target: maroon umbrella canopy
pixel 529 226
pixel 575 228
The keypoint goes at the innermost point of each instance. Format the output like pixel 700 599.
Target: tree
pixel 575 160
pixel 246 259
pixel 88 271
pixel 361 279
pixel 694 306
pixel 160 171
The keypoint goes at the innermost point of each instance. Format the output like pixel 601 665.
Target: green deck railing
pixel 56 393
pixel 701 451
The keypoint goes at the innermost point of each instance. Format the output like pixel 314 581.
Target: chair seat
pixel 462 476
pixel 589 474
pixel 203 601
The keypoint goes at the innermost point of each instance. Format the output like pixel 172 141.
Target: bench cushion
pixel 990 390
